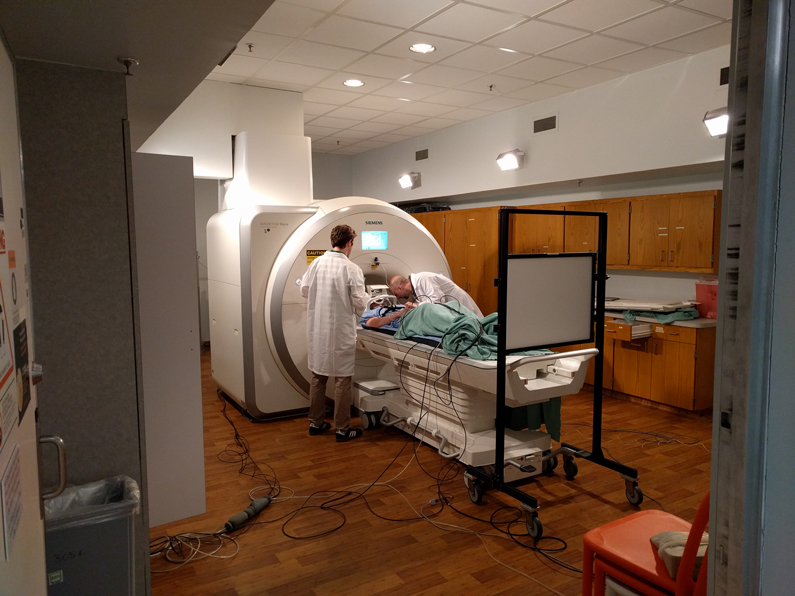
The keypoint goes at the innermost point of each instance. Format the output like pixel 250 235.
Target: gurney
pixel 449 402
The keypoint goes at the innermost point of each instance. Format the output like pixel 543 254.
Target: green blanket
pixel 464 334
pixel 680 314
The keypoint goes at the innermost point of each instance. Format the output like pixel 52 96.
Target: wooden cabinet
pixel 532 234
pixel 682 367
pixel 675 231
pixel 470 245
pixel 632 367
pixel 582 233
pixel 434 223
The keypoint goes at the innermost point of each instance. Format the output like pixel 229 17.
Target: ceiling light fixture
pixel 411 180
pixel 509 50
pixel 353 83
pixel 422 48
pixel 717 122
pixel 511 160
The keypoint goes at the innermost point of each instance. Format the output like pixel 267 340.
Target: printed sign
pixel 22 372
pixel 311 255
pixel 8 415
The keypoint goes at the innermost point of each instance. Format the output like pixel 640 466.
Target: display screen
pixel 374 240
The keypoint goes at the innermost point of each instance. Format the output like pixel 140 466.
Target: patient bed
pixel 449 402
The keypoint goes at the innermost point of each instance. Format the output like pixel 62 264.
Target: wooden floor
pixel 372 556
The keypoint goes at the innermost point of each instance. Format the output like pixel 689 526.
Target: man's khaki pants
pixel 342 401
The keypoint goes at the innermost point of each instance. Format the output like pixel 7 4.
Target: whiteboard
pixel 550 300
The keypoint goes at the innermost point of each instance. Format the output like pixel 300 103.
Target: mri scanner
pixel 256 258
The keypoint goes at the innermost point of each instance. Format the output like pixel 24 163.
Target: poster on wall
pixel 22 373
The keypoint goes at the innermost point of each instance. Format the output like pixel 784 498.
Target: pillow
pixel 671 546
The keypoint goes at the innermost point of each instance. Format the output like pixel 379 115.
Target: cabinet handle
pixel 672 333
pixel 662 256
pixel 672 256
pixel 655 348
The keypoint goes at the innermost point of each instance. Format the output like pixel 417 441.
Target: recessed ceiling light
pixel 422 48
pixel 353 83
pixel 507 50
pixel 403 99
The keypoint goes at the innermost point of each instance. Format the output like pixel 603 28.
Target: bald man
pixel 431 287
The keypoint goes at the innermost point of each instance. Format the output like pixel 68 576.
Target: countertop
pixel 699 323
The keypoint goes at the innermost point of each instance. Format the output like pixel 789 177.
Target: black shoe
pixel 317 430
pixel 353 433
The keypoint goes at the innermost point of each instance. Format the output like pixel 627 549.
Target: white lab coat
pixel 432 287
pixel 335 287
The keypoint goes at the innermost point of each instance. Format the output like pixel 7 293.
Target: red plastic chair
pixel 623 550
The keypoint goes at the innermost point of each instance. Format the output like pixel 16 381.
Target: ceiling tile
pixel 225 78
pixel 241 66
pixel 317 109
pixel 324 5
pixel 375 102
pixel 391 137
pixel 352 150
pixel 498 104
pixel 535 37
pixel 468 114
pixel 292 73
pixel 642 59
pixel 264 45
pixel 585 77
pixel 495 84
pixel 334 141
pixel 359 135
pixel 386 66
pixel 329 96
pixel 540 91
pixel 349 33
pixel 416 131
pixel 703 40
pixel 402 119
pixel 370 144
pixel 719 8
pixel 399 47
pixel 539 68
pixel 459 98
pixel 268 84
pixel 594 15
pixel 377 127
pixel 319 55
pixel 289 20
pixel 405 13
pixel 483 58
pixel 594 48
pixel 661 25
pixel 358 114
pixel 421 108
pixel 334 122
pixel 439 123
pixel 470 23
pixel 318 131
pixel 529 8
pixel 446 76
pixel 370 83
pixel 408 90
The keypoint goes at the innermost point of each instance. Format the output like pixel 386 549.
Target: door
pixel 672 373
pixel 617 231
pixel 691 222
pixel 632 367
pixel 455 246
pixel 648 236
pixel 22 558
pixel 482 244
pixel 581 230
pixel 434 223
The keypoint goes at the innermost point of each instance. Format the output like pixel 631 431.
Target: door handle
pixel 61 447
pixel 35 374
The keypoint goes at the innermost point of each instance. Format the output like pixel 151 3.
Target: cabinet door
pixel 482 265
pixel 648 235
pixel 434 223
pixel 672 373
pixel 691 223
pixel 525 233
pixel 580 231
pixel 632 367
pixel 549 231
pixel 455 246
pixel 617 231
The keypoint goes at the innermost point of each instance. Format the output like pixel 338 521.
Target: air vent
pixel 724 76
pixel 544 124
pixel 420 155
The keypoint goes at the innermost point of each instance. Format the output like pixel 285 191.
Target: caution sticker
pixel 311 255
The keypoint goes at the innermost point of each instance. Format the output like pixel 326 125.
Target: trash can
pixel 90 538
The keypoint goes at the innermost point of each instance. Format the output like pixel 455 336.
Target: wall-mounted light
pixel 511 160
pixel 717 122
pixel 410 180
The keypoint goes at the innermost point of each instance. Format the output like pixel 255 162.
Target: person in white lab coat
pixel 334 287
pixel 431 287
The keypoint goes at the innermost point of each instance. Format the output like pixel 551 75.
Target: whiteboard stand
pixel 550 300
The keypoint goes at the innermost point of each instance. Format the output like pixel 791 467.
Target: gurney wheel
pixel 534 527
pixel 549 465
pixel 475 491
pixel 634 496
pixel 570 467
pixel 369 420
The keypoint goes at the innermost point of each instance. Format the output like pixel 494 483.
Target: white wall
pixel 206 207
pixel 645 121
pixel 203 125
pixel 331 176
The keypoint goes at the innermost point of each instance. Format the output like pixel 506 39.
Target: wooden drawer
pixel 684 335
pixel 627 331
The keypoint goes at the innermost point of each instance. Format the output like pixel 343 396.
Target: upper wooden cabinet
pixel 532 234
pixel 582 232
pixel 434 223
pixel 676 231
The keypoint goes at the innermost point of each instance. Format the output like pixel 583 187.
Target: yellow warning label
pixel 311 255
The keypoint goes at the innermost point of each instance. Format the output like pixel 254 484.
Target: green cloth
pixel 463 333
pixel 680 314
